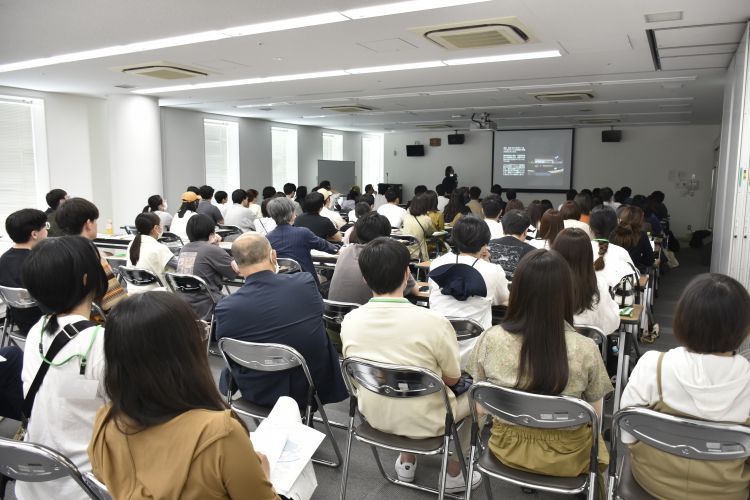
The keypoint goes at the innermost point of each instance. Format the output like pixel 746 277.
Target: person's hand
pixel 264 464
pixel 215 239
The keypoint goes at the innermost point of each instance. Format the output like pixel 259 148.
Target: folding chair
pixel 229 230
pixel 536 411
pixel 288 266
pixel 129 229
pixel 274 358
pixel 167 237
pixel 333 316
pixel 136 277
pixel 188 284
pixel 683 437
pixel 409 241
pixel 396 381
pixel 99 489
pixel 467 331
pixel 29 462
pixel 595 334
pixel 18 298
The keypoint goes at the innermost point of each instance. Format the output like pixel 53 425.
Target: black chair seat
pixel 488 463
pixel 428 445
pixel 627 486
pixel 242 405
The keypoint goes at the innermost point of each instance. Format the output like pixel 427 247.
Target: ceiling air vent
pixel 553 97
pixel 162 70
pixel 477 34
pixel 351 108
pixel 599 121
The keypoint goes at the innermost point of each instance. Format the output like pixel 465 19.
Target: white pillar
pixel 135 161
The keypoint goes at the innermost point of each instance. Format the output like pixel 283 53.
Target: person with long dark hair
pixel 165 413
pixel 188 209
pixel 550 226
pixel 629 234
pixel 592 303
pixel 158 205
pixel 434 212
pixel 704 378
pixel 418 224
pixel 536 349
pixel 65 276
pixel 611 261
pixel 571 214
pixel 145 251
pixel 456 208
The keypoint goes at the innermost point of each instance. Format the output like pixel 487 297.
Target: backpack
pixel 625 290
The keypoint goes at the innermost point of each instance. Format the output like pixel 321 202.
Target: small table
pixel 627 322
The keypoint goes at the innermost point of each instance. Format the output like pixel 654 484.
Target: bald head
pixel 251 249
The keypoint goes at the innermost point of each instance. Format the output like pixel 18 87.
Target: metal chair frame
pixel 137 276
pixel 130 229
pixel 536 411
pixel 597 335
pixel 289 266
pixel 99 488
pixel 466 328
pixel 683 437
pixel 202 287
pixel 267 357
pixel 410 240
pixel 167 237
pixel 30 462
pixel 397 381
pixel 231 230
pixel 18 298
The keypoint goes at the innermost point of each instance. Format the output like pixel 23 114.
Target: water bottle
pixel 108 227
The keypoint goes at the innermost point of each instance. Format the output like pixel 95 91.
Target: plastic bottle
pixel 108 228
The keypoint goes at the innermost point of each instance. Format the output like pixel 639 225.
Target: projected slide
pixel 533 159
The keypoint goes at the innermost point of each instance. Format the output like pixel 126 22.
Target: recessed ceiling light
pixel 395 67
pixel 503 58
pixel 661 17
pixel 237 31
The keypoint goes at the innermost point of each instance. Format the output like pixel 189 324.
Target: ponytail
pixel 146 209
pixel 135 250
pixel 144 224
pixel 154 202
pixel 51 326
pixel 603 247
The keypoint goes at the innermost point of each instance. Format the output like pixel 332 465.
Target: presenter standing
pixel 450 182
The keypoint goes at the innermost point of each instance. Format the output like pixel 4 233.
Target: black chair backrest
pixel 591 332
pixel 139 277
pixel 334 312
pixel 229 230
pixel 170 238
pixel 288 266
pixel 130 229
pixel 466 328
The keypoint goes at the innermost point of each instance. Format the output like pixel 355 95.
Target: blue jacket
pixel 296 242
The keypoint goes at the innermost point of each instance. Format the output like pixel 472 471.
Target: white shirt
pixel 393 213
pixel 476 308
pixel 179 226
pixel 256 210
pixel 66 404
pixel 578 225
pixel 442 202
pixel 539 243
pixel 496 229
pixel 617 263
pixel 379 201
pixel 352 217
pixel 240 216
pixel 265 225
pixel 154 257
pixel 605 315
pixel 223 207
pixel 334 217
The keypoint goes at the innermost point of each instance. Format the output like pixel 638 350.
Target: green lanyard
pixel 84 355
pixel 388 299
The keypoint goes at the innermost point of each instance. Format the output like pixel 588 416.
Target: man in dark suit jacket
pixel 282 309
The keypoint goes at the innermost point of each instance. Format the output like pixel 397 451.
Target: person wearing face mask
pixel 158 206
pixel 145 252
pixel 259 312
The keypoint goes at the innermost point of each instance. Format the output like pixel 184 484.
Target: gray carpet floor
pixel 365 482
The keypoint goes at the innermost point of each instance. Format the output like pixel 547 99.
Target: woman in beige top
pixel 418 224
pixel 167 433
pixel 535 349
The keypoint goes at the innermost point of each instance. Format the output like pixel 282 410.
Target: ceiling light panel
pixel 395 67
pixel 286 24
pixel 404 7
pixel 503 58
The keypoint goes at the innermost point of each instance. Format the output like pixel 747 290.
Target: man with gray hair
pixel 259 312
pixel 292 242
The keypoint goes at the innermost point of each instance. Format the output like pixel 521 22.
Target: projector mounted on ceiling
pixel 481 121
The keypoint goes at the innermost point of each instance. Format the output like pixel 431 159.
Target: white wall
pixel 643 161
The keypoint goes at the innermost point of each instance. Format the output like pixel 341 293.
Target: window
pixel 222 154
pixel 372 159
pixel 284 156
pixel 23 155
pixel 333 146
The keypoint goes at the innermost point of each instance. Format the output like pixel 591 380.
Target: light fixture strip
pixel 238 31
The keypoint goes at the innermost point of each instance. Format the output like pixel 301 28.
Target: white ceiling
pixel 604 48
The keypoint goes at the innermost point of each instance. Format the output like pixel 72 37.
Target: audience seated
pixel 290 191
pixel 443 197
pixel 54 199
pixel 550 226
pixel 220 201
pixel 328 211
pixel 11 387
pixel 704 379
pixel 491 209
pixel 474 203
pixel 536 349
pixel 360 210
pixel 467 285
pixel 391 210
pixel 417 223
pixel 158 206
pixel 365 198
pixel 592 303
pixel 188 209
pixel 265 224
pixel 351 199
pixel 314 220
pixel 434 211
pixel 456 207
pixel 239 213
pixel 508 250
pixel 571 214
pixel 295 242
pixel 205 207
pixel 347 283
pixel 166 431
pixel 145 252
pixel 252 198
pixel 282 309
pixel 389 329
pixel 585 202
pixel 535 211
pixel 64 275
pixel 629 234
pixel 204 258
pixel 77 217
pixel 611 261
pixel 269 192
pixel 26 228
pixel 513 204
pixel 660 209
pixel 380 196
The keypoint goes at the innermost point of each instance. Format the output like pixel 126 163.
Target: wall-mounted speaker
pixel 456 139
pixel 611 135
